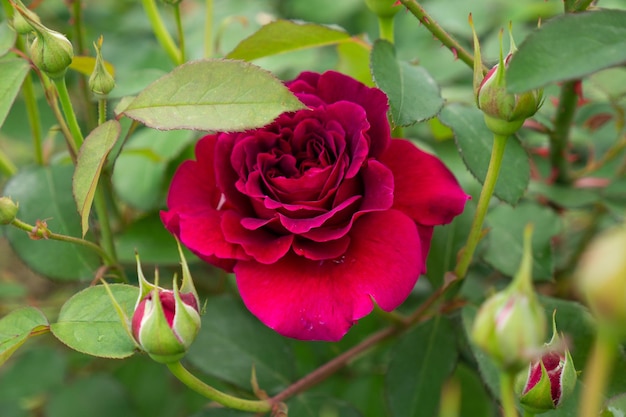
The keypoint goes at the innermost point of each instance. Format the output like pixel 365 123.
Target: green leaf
pixel 475 401
pixel 151 240
pixel 13 72
pixel 16 327
pixel 91 158
pixel 420 363
pixel 311 405
pixel 568 47
pixel 45 193
pixel 213 94
pixel 615 407
pixel 7 37
pixel 232 341
pixel 283 36
pixel 475 141
pixel 140 170
pixel 96 395
pixel 413 94
pixel 89 323
pixel 504 243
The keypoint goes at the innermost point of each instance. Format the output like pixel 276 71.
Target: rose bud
pixel 8 210
pixel 166 322
pixel 504 112
pixel 20 24
pixel 100 81
pixel 51 52
pixel 550 379
pixel 601 276
pixel 510 326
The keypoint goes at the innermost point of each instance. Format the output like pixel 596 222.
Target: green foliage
pixel 16 327
pixel 13 71
pixel 212 95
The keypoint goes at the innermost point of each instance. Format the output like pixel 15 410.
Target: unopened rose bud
pixel 100 81
pixel 383 8
pixel 8 210
pixel 601 276
pixel 19 23
pixel 549 380
pixel 51 52
pixel 504 112
pixel 510 326
pixel 166 322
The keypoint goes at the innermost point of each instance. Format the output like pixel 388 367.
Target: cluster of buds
pixel 166 322
pixel 549 380
pixel 511 325
pixel 504 112
pixel 50 51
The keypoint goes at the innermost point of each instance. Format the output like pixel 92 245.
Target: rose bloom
pixel 319 214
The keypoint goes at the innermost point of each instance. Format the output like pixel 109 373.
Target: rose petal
pixel 263 246
pixel 320 300
pixel 321 251
pixel 424 188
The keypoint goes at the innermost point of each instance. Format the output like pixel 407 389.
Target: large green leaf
pixel 504 243
pixel 420 363
pixel 140 170
pixel 16 327
pixel 475 141
pixel 567 47
pixel 89 323
pixel 413 93
pixel 91 158
pixel 13 72
pixel 213 94
pixel 7 37
pixel 284 36
pixel 232 341
pixel 45 193
pixel 96 395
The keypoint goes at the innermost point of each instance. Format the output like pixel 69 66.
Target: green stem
pixel 385 28
pixel 597 372
pixel 106 235
pixel 560 135
pixel 7 167
pixel 79 35
pixel 181 32
pixel 211 393
pixel 161 33
pixel 497 152
pixel 438 32
pixel 208 29
pixel 32 112
pixel 43 233
pixel 68 110
pixel 507 394
pixel 102 111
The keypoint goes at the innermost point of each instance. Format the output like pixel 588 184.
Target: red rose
pixel 319 214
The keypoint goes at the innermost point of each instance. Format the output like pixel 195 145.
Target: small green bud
pixel 549 380
pixel 166 322
pixel 510 326
pixel 504 112
pixel 51 52
pixel 8 210
pixel 100 81
pixel 601 276
pixel 20 24
pixel 383 8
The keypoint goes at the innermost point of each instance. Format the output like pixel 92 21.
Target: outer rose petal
pixel 321 300
pixel 424 188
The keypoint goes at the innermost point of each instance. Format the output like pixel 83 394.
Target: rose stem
pixel 7 167
pixel 211 393
pixel 497 152
pixel 47 234
pixel 438 32
pixel 597 371
pixel 181 32
pixel 161 32
pixel 560 135
pixel 507 393
pixel 385 28
pixel 99 201
pixel 208 29
pixel 77 20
